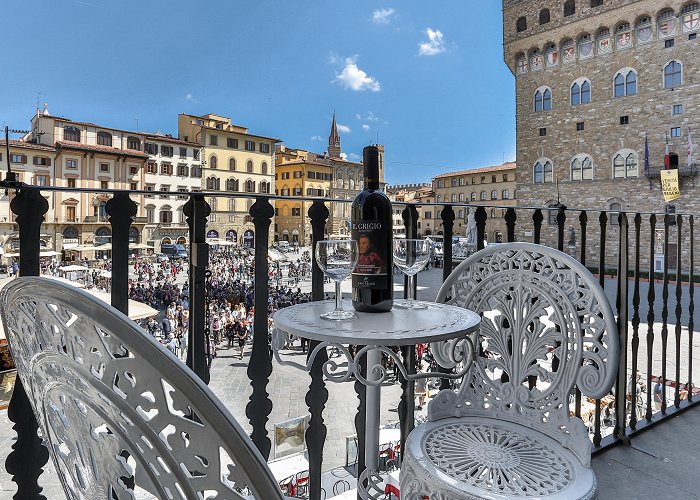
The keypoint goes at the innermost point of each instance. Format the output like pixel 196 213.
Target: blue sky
pixel 425 77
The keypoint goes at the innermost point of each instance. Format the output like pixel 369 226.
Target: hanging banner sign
pixel 670 186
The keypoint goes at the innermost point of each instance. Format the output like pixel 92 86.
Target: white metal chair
pixel 507 433
pixel 121 416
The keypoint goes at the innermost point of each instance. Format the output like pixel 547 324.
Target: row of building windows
pixel 568 9
pixel 462 181
pixel 232 143
pixel 625 163
pixel 483 195
pixel 624 84
pixel 309 174
pixel 233 166
pixel 214 184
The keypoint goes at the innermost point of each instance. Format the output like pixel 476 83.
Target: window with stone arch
pixel 453 198
pixel 494 195
pixel 505 194
pixel 543 171
pixel 581 168
pixel 613 215
pixel 543 99
pixel 544 16
pixel 232 164
pixel 232 204
pixel 249 166
pixel 673 75
pixel 625 82
pixel 521 24
pixel 625 164
pixel 482 196
pixel 569 8
pixel 263 167
pixel 473 196
pixel 461 196
pixel 581 91
pixel 213 161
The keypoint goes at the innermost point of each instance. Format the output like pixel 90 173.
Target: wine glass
pixel 411 255
pixel 337 259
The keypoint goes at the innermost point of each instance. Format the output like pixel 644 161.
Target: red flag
pixel 667 155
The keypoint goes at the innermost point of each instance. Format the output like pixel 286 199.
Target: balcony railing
pixel 655 310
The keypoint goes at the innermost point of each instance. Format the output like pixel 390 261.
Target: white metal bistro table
pixel 449 329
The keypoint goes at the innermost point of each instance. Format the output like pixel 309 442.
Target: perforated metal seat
pixel 546 327
pixel 121 416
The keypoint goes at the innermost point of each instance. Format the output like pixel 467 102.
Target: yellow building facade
pixel 233 161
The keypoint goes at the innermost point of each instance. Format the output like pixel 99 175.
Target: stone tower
pixel 334 149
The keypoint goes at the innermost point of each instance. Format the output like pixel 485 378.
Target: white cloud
pixel 316 138
pixel 190 98
pixel 434 45
pixel 343 129
pixel 382 16
pixel 365 127
pixel 371 118
pixel 354 157
pixel 353 78
pixel 357 115
pixel 344 156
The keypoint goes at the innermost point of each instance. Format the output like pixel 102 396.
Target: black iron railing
pixel 622 253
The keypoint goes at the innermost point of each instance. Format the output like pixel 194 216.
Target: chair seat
pixel 477 457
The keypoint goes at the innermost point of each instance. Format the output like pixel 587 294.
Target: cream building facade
pixel 233 161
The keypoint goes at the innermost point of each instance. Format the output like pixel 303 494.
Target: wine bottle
pixel 372 285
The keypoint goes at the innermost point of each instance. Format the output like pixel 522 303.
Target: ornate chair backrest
pixel 546 327
pixel 121 416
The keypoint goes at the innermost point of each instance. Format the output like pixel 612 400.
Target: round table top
pixel 394 328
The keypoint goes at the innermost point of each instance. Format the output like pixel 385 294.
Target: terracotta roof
pixel 28 145
pixel 100 149
pixel 495 168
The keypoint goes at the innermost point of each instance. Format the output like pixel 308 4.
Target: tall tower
pixel 334 140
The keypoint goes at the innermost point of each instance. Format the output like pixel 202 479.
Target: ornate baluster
pixel 583 221
pixel 121 211
pixel 317 395
pixel 28 457
pixel 561 220
pixel 361 391
pixel 537 219
pixel 622 326
pixel 635 320
pixel 197 210
pixel 679 310
pixel 601 280
pixel 651 298
pixel 480 218
pixel 510 218
pixel 664 315
pixel 691 311
pixel 259 407
pixel 448 220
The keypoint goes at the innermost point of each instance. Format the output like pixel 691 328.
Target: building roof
pixel 100 149
pixel 28 145
pixel 316 159
pixel 168 138
pixel 484 170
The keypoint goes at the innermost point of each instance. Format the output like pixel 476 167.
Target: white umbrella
pixel 137 310
pixel 64 280
pixel 106 274
pixel 73 267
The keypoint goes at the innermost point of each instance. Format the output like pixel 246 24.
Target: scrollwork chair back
pixel 121 416
pixel 546 327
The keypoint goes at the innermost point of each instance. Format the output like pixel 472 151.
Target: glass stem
pixel 338 297
pixel 410 290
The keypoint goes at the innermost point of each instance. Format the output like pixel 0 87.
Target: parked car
pixel 161 257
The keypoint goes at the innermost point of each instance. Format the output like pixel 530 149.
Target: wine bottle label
pixel 371 270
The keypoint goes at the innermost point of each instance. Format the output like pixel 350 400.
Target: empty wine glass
pixel 337 259
pixel 411 256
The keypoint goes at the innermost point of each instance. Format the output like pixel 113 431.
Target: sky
pixel 424 78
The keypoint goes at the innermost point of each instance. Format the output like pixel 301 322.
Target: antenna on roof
pixel 137 123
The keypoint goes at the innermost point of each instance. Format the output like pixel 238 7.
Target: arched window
pixel 133 143
pixel 440 183
pixel 461 181
pixel 673 73
pixel 263 167
pixel 581 168
pixel 544 16
pixel 104 139
pixel 569 8
pixel 482 196
pixel 542 171
pixel 71 133
pixel 505 194
pixel 625 164
pixel 543 99
pixel 439 198
pixel 230 184
pixel 521 24
pixel 494 195
pixel 232 164
pixel 613 216
pixel 453 198
pixel 249 166
pixel 232 204
pixel 249 186
pixel 264 187
pixel 473 197
pixel 461 196
pixel 213 183
pixel 580 92
pixel 213 162
pixel 70 233
pixel 213 203
pixel 625 82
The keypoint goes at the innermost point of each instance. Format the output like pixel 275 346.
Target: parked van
pixel 174 250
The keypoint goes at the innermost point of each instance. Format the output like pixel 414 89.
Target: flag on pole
pixel 690 150
pixel 646 155
pixel 667 155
